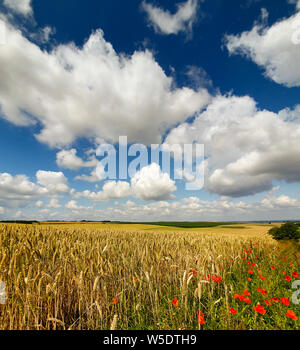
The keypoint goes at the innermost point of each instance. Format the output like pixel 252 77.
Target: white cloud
pixel 72 205
pixel 39 204
pixel 69 160
pixel 90 92
pixel 150 183
pixel 17 190
pixel 265 146
pixel 1 210
pixel 275 48
pixel 166 23
pixel 54 182
pixel 22 7
pixel 54 203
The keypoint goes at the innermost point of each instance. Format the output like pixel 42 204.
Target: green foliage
pixel 287 231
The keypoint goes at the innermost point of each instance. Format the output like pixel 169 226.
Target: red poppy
pixel 262 291
pixel 284 259
pixel 262 278
pixel 246 292
pixel 200 317
pixel 193 272
pixel 175 302
pixel 295 274
pixel 247 300
pixel 260 309
pixel 206 277
pixel 216 279
pixel 250 271
pixel 291 314
pixel 252 265
pixel 249 279
pixel 285 301
pixel 288 278
pixel 114 300
pixel 239 296
pixel 291 264
pixel 273 267
pixel 267 302
pixel 275 300
pixel 233 311
pixel 284 273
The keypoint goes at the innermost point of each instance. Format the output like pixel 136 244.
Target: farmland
pixel 142 276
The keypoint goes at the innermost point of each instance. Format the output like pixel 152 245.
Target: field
pixel 110 276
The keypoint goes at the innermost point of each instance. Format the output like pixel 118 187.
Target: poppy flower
pixel 252 265
pixel 249 279
pixel 216 279
pixel 239 296
pixel 193 272
pixel 275 300
pixel 259 309
pixel 288 278
pixel 284 259
pixel 285 301
pixel 175 302
pixel 200 317
pixel 233 311
pixel 247 300
pixel 114 301
pixel 295 274
pixel 262 278
pixel 262 291
pixel 246 292
pixel 267 302
pixel 291 314
pixel 273 267
pixel 250 271
pixel 291 264
pixel 206 277
pixel 284 273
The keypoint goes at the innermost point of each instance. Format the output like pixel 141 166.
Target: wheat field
pixel 96 276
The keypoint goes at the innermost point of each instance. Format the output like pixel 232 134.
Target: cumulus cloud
pixel 69 160
pixel 150 183
pixel 53 182
pixel 22 7
pixel 164 22
pixel 54 203
pixel 17 190
pixel 90 91
pixel 275 48
pixel 264 147
pixel 72 205
pixel 39 204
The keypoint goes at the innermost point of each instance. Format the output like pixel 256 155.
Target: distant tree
pixel 287 231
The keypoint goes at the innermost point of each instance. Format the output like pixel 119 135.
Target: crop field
pixel 127 277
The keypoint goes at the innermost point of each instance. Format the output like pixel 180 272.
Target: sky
pixel 78 75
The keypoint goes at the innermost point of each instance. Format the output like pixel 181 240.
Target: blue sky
pixel 75 75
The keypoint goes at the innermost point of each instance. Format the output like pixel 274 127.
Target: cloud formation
pixel 150 183
pixel 22 7
pixel 276 49
pixel 166 23
pixel 265 146
pixel 90 92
